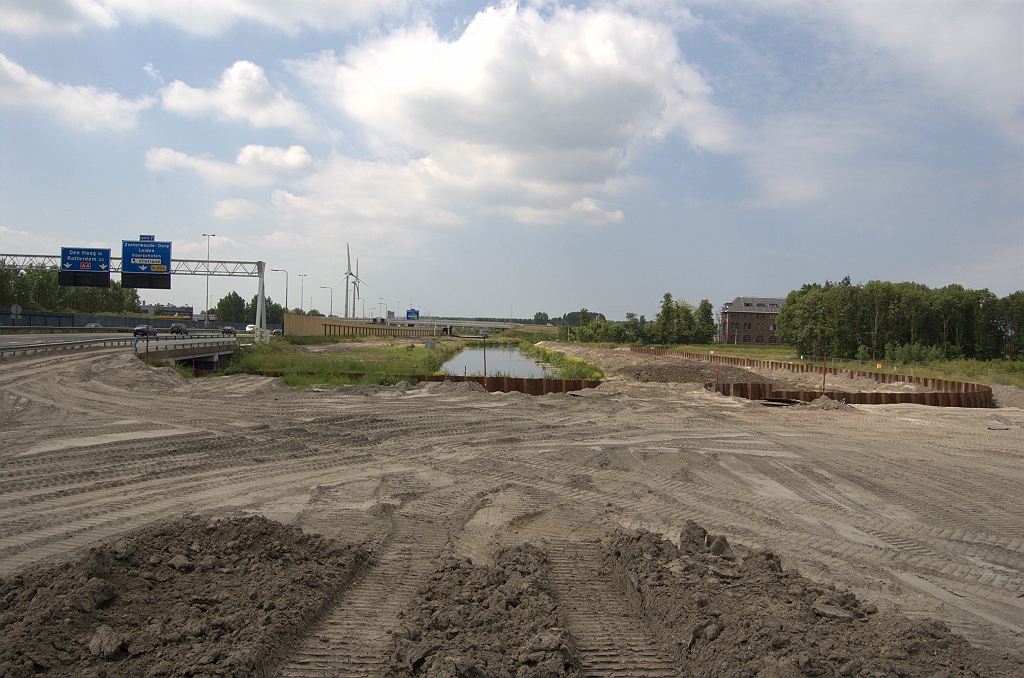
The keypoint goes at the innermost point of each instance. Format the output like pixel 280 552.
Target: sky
pixel 496 159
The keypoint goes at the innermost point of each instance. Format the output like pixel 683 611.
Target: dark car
pixel 228 330
pixel 144 331
pixel 179 328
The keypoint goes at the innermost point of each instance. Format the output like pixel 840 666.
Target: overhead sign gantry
pixel 86 264
pixel 146 263
pixel 84 267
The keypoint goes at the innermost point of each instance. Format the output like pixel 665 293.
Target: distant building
pixel 167 311
pixel 750 320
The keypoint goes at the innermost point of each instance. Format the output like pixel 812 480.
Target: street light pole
pixel 302 291
pixel 206 313
pixel 330 313
pixel 281 270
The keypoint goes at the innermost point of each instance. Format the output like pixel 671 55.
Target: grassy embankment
pixel 982 371
pixel 383 365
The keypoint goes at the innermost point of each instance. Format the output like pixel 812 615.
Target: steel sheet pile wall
pixel 949 393
pixel 528 386
pixel 493 384
pixel 942 399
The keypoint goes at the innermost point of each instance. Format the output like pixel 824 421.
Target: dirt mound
pixel 192 597
pixel 826 403
pixel 656 368
pixel 451 386
pixel 1007 396
pixel 725 615
pixel 126 371
pixel 497 620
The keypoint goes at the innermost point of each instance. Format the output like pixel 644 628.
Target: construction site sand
pixel 911 509
pixel 673 368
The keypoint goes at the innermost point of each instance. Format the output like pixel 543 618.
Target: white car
pixel 250 328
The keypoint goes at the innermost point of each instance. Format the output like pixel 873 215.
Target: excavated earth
pixel 151 525
pixel 621 362
pixel 193 596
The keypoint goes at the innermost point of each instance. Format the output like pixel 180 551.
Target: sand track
pixel 908 506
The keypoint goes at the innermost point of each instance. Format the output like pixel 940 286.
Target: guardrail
pixel 157 344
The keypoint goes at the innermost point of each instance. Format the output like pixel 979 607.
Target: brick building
pixel 750 320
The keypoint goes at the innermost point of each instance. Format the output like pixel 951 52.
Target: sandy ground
pixel 668 368
pixel 908 507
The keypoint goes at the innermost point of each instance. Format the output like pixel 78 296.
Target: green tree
pixel 231 309
pixel 540 318
pixel 704 323
pixel 36 289
pixel 275 312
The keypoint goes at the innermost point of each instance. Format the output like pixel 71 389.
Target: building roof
pixel 755 304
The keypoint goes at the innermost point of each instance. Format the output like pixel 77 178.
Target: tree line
pixel 677 322
pixel 903 322
pixel 232 308
pixel 36 289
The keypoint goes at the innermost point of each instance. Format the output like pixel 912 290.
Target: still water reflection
pixel 507 361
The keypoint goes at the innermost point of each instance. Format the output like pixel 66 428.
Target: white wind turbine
pixel 348 275
pixel 356 281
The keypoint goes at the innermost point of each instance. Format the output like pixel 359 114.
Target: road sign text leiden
pixel 84 267
pixel 146 264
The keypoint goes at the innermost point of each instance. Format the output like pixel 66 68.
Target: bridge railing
pixel 156 344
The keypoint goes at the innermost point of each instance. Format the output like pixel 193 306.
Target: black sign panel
pixel 151 281
pixel 84 278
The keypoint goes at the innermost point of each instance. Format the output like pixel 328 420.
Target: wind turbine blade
pixel 348 252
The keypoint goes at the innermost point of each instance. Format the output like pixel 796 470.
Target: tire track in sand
pixel 611 641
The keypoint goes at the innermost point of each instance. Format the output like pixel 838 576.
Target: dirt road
pixel 907 506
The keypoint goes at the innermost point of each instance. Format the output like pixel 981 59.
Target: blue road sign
pixel 83 259
pixel 412 314
pixel 145 257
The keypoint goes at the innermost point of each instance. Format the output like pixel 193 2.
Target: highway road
pixel 19 339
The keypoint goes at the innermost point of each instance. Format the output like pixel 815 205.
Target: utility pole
pixel 206 314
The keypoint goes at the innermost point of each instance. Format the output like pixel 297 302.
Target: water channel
pixel 509 362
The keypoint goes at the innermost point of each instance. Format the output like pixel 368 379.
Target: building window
pixel 735 326
pixel 771 339
pixel 760 327
pixel 746 326
pixel 760 339
pixel 760 315
pixel 746 338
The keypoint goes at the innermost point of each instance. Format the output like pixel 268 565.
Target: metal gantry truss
pixel 234 269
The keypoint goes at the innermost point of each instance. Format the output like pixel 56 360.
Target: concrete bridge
pixel 205 351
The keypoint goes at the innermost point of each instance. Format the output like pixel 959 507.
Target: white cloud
pixel 966 54
pixel 80 106
pixel 243 93
pixel 254 166
pixel 969 52
pixel 50 17
pixel 529 115
pixel 200 17
pixel 22 242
